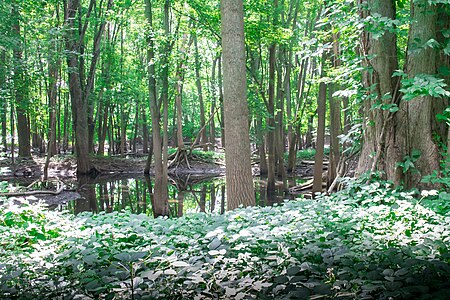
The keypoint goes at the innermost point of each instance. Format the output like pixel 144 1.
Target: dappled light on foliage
pixel 366 241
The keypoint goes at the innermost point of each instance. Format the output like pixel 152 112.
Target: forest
pixel 224 149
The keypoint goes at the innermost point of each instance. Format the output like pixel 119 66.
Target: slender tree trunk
pixel 240 190
pixel 123 131
pixel 212 124
pixel 279 126
pixel 136 128
pixel 165 96
pixel 179 84
pixel 144 132
pixel 335 128
pixel 263 169
pixel 4 105
pixel 203 137
pixel 66 123
pixel 271 122
pixel 271 162
pixel 222 127
pixel 89 89
pixel 321 112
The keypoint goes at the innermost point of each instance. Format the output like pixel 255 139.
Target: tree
pixel 20 87
pixel 79 103
pixel 321 112
pixel 160 196
pixel 397 107
pixel 237 144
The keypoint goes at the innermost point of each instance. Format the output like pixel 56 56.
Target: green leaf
pixel 179 264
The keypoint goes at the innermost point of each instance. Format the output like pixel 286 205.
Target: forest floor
pixel 64 166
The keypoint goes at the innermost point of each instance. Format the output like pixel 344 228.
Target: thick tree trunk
pixel 79 103
pixel 379 125
pixel 421 111
pixel 239 180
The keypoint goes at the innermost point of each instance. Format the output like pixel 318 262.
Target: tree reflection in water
pixel 187 194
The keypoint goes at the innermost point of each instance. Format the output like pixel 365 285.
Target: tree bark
pixel 198 83
pixel 271 158
pixel 20 86
pixel 239 180
pixel 4 105
pixel 382 146
pixel 79 103
pixel 421 111
pixel 160 198
pixel 320 140
pixel 212 124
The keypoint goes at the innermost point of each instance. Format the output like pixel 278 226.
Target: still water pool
pixel 186 194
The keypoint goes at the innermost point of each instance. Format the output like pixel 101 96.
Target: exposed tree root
pixel 180 156
pixel 38 192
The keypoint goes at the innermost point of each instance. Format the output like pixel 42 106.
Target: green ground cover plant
pixel 365 242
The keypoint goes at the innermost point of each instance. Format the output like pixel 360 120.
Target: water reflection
pixel 187 194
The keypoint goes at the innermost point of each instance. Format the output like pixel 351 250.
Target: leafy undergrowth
pixel 367 242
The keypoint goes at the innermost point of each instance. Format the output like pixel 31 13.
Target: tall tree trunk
pixel 320 140
pixel 179 84
pixel 79 103
pixel 89 89
pixel 380 125
pixel 271 158
pixel 279 124
pixel 53 69
pixel 136 128
pixel 198 82
pixel 421 111
pixel 123 131
pixel 263 169
pixel 212 124
pixel 66 123
pixel 20 87
pixel 160 198
pixel 443 62
pixel 335 128
pixel 222 117
pixel 144 132
pixel 4 105
pixel 239 180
